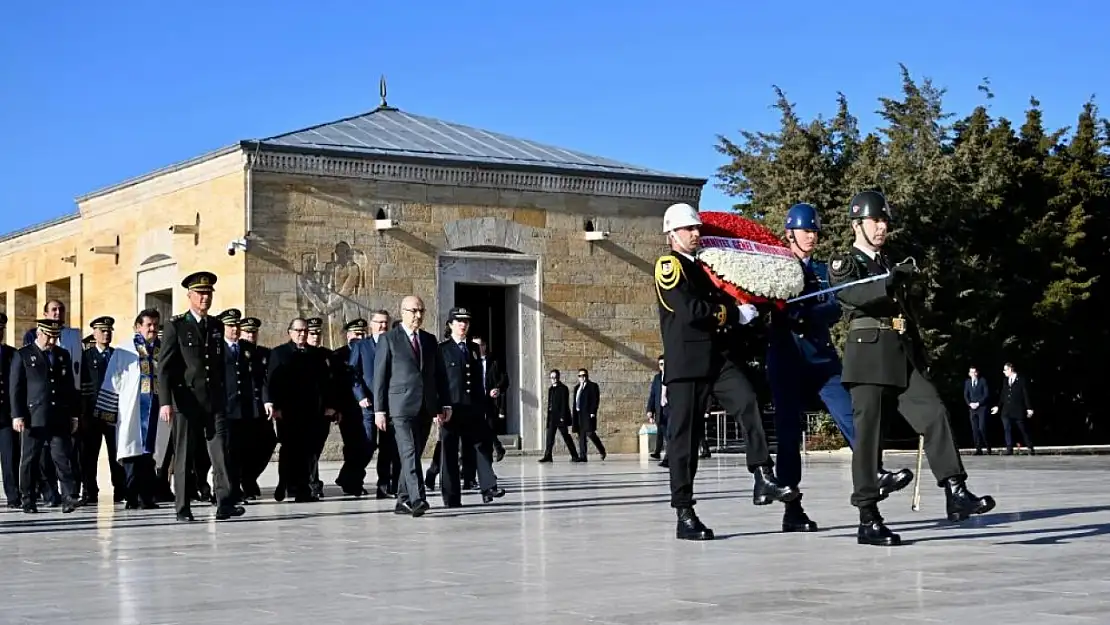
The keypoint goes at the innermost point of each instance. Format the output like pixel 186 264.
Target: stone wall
pixel 316 253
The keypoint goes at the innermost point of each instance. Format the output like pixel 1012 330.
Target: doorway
pixel 490 320
pixel 162 301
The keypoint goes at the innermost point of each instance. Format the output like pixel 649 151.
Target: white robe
pixel 122 379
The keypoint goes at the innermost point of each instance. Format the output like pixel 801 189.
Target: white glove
pixel 747 313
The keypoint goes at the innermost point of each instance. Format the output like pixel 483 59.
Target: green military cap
pixel 231 316
pixel 102 323
pixel 200 281
pixel 50 327
pixel 88 340
pixel 250 324
pixel 315 324
pixel 355 325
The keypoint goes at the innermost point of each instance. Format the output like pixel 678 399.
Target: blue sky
pixel 93 93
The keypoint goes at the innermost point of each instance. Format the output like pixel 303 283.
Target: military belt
pixel 896 324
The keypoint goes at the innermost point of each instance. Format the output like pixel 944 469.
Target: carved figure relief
pixel 334 290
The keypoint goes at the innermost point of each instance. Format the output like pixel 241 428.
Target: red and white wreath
pixel 747 261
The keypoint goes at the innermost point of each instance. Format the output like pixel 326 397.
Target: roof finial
pixel 382 91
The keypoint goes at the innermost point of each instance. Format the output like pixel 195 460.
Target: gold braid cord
pixel 668 273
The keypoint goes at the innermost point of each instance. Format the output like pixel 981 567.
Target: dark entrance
pixel 488 306
pixel 162 301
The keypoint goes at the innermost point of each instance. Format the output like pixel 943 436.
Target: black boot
pixel 962 503
pixel 766 489
pixel 795 518
pixel 892 482
pixel 690 526
pixel 872 530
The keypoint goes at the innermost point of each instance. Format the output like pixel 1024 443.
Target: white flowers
pixel 761 270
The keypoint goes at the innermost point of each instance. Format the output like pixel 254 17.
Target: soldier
pixel 98 425
pixel 259 429
pixel 355 444
pixel 191 382
pixel 319 431
pixel 468 414
pixel 239 382
pixel 696 319
pixel 802 363
pixel 885 370
pixel 45 405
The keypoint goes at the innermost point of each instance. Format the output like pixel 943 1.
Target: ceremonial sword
pixel 834 289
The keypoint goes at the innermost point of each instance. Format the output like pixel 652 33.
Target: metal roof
pixel 392 133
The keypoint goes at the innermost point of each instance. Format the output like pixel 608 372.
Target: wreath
pixel 747 261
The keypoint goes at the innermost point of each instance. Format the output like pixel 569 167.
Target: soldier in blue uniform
pixel 802 362
pixel 886 371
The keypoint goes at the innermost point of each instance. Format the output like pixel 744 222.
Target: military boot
pixel 962 503
pixel 795 519
pixel 690 526
pixel 893 481
pixel 766 489
pixel 872 530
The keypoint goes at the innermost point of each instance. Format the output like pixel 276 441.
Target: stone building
pixel 553 250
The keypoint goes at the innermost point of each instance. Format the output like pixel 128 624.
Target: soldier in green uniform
pixel 886 371
pixel 704 359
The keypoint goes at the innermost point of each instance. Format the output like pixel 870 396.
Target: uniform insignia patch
pixel 837 264
pixel 667 272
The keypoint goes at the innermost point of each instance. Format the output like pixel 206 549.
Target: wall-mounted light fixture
pixel 111 250
pixel 591 234
pixel 383 222
pixel 193 229
pixel 71 259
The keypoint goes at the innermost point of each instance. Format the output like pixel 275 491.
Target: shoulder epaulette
pixel 844 267
pixel 668 272
pixel 178 317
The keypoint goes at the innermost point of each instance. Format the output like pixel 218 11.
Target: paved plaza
pixel 578 544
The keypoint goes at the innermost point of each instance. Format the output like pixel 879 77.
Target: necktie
pixel 235 351
pixel 50 358
pixel 663 399
pixel 462 348
pixel 416 348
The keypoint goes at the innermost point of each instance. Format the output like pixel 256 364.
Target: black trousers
pixel 388 465
pixel 259 441
pixel 356 452
pixel 979 428
pixel 585 433
pixel 495 423
pixel 554 426
pixel 467 429
pixel 318 438
pixel 141 479
pixel 1008 426
pixel 192 437
pixel 10 452
pixel 60 448
pixel 661 425
pixel 411 434
pixel 93 432
pixel 922 408
pixel 237 448
pixel 295 433
pixel 688 400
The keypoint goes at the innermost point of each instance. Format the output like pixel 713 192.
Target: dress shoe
pixel 90 500
pixel 690 526
pixel 962 503
pixel 978 452
pixel 430 481
pixel 665 463
pixel 186 517
pixel 892 482
pixel 279 492
pixel 419 508
pixel 1032 452
pixel 500 454
pixel 1008 452
pixel 381 494
pixel 877 534
pixel 149 504
pixel 15 505
pixel 490 494
pixel 767 489
pixel 402 507
pixel 603 455
pixel 131 505
pixel 119 497
pixel 705 454
pixel 795 519
pixel 453 504
pixel 224 514
pixel 30 508
pixel 545 459
pixel 469 486
pixel 309 497
pixel 69 505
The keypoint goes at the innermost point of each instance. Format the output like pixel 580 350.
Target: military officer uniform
pixel 239 383
pixel 97 426
pixel 258 431
pixel 696 319
pixel 192 379
pixel 885 370
pixel 356 446
pixel 45 403
pixel 320 429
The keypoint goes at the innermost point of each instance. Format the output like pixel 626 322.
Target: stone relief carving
pixel 334 289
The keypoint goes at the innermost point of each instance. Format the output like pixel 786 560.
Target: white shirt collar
pixel 870 253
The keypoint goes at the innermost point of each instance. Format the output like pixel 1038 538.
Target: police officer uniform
pixel 468 424
pixel 356 446
pixel 802 363
pixel 258 431
pixel 191 379
pixel 696 318
pixel 97 426
pixel 886 371
pixel 239 383
pixel 45 403
pixel 320 430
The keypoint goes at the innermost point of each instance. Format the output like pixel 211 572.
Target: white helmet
pixel 680 216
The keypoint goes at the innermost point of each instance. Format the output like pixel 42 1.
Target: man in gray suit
pixel 410 389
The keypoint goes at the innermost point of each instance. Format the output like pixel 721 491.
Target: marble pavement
pixel 578 544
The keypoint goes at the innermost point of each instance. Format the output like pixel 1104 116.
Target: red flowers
pixel 732 226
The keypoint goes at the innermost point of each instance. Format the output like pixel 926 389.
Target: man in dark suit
pixel 410 389
pixel 975 396
pixel 362 383
pixel 192 383
pixel 587 398
pixel 558 417
pixel 97 426
pixel 1016 409
pixel 297 396
pixel 495 385
pixel 658 409
pixel 259 429
pixel 9 438
pixel 239 384
pixel 45 405
pixel 355 445
pixel 468 424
